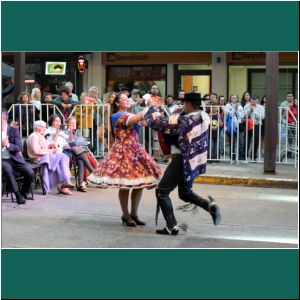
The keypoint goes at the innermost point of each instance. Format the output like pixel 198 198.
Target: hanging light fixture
pixel 81 64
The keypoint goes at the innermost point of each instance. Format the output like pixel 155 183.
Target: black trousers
pixel 256 141
pixel 172 178
pixel 8 168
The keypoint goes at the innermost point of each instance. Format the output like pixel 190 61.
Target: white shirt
pixel 62 139
pixel 258 113
pixel 237 113
pixel 74 97
pixel 5 152
pixel 206 120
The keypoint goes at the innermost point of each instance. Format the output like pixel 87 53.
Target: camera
pixel 63 127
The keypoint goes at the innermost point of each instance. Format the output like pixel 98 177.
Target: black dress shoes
pixel 214 211
pixel 166 230
pixel 27 196
pixel 20 199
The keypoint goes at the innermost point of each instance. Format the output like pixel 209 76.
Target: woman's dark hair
pixel 205 96
pixel 115 108
pixel 52 118
pixel 263 100
pixel 63 89
pixel 243 101
pixel 23 94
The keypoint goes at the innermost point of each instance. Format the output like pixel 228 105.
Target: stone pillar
pixel 170 80
pixel 219 73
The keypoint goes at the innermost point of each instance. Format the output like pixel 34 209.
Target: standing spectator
pixel 36 101
pixel 24 113
pixel 64 102
pixel 256 113
pixel 10 89
pixel 135 101
pixel 181 95
pixel 222 104
pixel 158 101
pixel 214 98
pixel 109 91
pixel 234 114
pixel 263 103
pixel 245 98
pixel 171 104
pixel 12 160
pixel 70 86
pixel 216 124
pixel 97 117
pixel 49 108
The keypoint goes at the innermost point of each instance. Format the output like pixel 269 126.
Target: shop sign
pixel 55 68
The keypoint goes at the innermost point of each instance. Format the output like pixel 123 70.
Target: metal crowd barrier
pixel 236 145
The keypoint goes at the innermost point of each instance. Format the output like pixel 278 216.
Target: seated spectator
pixel 78 151
pixel 12 160
pixel 54 165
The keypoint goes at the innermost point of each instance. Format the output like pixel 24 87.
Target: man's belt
pixel 176 156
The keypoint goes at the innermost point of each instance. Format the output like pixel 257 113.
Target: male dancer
pixel 189 154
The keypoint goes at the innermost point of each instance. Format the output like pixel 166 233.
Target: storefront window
pixel 243 78
pixel 141 77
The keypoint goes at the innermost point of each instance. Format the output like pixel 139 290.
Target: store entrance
pixel 198 81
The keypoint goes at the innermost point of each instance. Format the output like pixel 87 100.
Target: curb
pixel 247 181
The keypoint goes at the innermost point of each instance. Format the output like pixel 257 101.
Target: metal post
pixel 19 62
pixel 271 128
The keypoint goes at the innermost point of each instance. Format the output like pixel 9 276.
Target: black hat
pixel 192 97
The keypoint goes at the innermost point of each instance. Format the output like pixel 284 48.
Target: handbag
pixel 250 124
pixel 230 125
pixel 78 150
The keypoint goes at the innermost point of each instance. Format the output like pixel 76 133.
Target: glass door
pixel 198 81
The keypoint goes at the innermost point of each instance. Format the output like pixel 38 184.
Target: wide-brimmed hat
pixel 192 97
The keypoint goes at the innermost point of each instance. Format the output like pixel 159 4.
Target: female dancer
pixel 127 165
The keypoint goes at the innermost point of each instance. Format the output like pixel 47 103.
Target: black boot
pixel 207 204
pixel 20 199
pixel 166 230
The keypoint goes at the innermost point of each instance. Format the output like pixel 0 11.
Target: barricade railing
pixel 231 138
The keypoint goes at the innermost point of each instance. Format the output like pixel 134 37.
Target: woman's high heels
pixel 137 220
pixel 128 222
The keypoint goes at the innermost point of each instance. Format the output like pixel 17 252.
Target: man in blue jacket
pixel 12 160
pixel 189 154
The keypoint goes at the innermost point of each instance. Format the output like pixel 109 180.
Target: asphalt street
pixel 251 218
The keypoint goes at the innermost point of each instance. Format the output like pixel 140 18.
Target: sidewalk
pixel 250 174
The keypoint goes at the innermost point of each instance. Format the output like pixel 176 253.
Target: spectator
pixel 256 113
pixel 54 165
pixel 234 114
pixel 109 91
pixel 73 96
pixel 49 109
pixel 245 99
pixel 36 101
pixel 12 160
pixel 216 124
pixel 263 103
pixel 78 150
pixel 181 95
pixel 9 90
pixel 24 113
pixel 94 93
pixel 64 102
pixel 171 104
pixel 135 101
pixel 214 98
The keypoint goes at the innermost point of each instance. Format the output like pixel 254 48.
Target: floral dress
pixel 127 165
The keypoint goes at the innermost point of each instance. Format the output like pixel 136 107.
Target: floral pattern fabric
pixel 127 165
